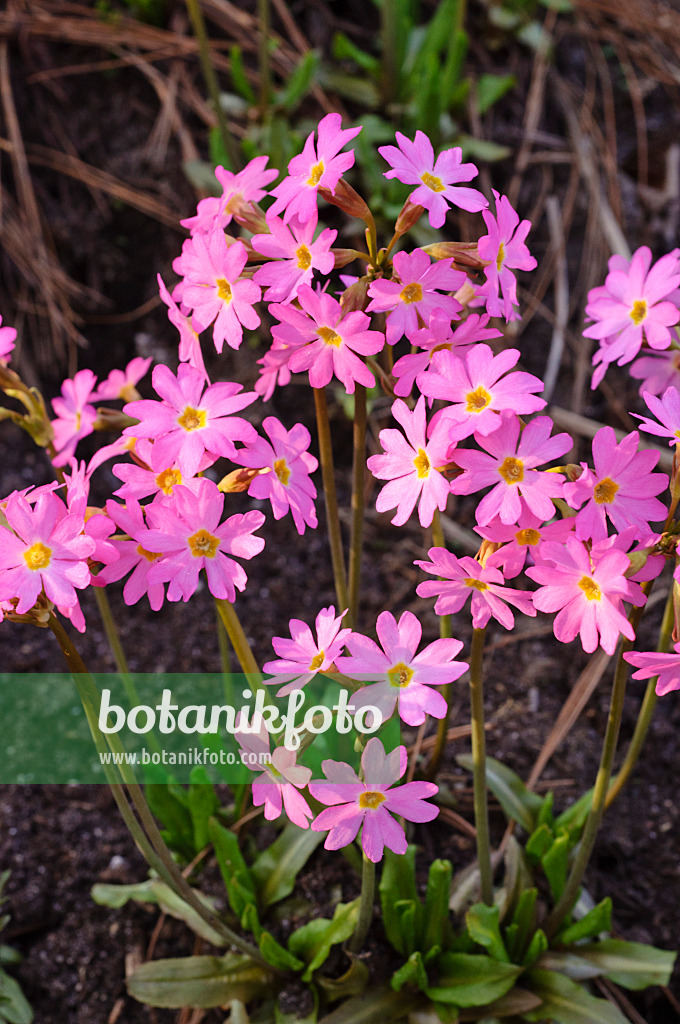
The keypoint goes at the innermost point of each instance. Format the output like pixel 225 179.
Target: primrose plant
pixel 513 935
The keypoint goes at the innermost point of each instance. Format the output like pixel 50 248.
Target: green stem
pixel 331 499
pixel 389 50
pixel 358 487
pixel 445 633
pixel 239 642
pixel 365 907
pixel 263 56
pixel 211 83
pixel 225 660
pixel 479 765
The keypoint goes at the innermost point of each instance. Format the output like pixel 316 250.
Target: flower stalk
pixel 331 498
pixel 358 487
pixel 479 765
pixel 365 907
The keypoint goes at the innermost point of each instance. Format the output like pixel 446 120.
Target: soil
pixel 59 841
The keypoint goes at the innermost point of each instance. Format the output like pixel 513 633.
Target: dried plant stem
pixel 365 907
pixel 358 486
pixel 331 499
pixel 212 85
pixel 479 765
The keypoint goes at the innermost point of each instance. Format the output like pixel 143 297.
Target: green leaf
pixel 545 815
pixel 276 869
pixel 537 946
pixel 235 872
pixel 169 804
pixel 490 88
pixel 380 1006
pixel 398 881
pixel 555 862
pixel 410 912
pixel 345 49
pixel 436 904
pixel 277 955
pixel 201 175
pixel 353 982
pixel 483 927
pixel 573 819
pixel 9 957
pixel 453 68
pixel 359 90
pixel 300 82
pixel 597 920
pixel 312 942
pixel 633 965
pixel 538 843
pixel 200 981
pixel 482 149
pixel 519 803
pixel 218 151
pixel 238 75
pixel 156 892
pixel 412 973
pixel 203 803
pixel 470 980
pixel 566 1002
pixel 512 1004
pixel 523 920
pixel 14 1007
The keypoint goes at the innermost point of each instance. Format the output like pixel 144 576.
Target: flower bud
pixel 113 419
pixel 464 254
pixel 251 217
pixel 239 479
pixel 409 215
pixel 348 200
pixel 354 298
pixel 343 257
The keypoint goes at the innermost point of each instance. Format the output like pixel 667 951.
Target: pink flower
pixel 279 781
pixel 314 168
pixel 75 416
pixel 478 388
pixel 504 247
pixel 520 485
pixel 189 343
pixel 414 164
pixel 8 336
pixel 43 548
pixel 630 308
pixel 411 464
pixel 295 255
pixel 352 803
pixel 412 300
pixel 301 657
pixel 403 678
pixel 652 663
pixel 465 577
pixel 150 473
pixel 247 186
pixel 132 555
pixel 214 289
pixel 439 337
pixel 521 539
pixel 667 412
pixel 621 487
pixel 275 369
pixel 287 484
pixel 324 340
pixel 190 421
pixel 587 589
pixel 190 536
pixel 657 371
pixel 120 384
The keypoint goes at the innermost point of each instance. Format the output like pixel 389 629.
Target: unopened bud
pixel 638 560
pixel 11 383
pixel 465 255
pixel 343 257
pixel 409 215
pixel 239 480
pixel 488 548
pixel 250 216
pixel 354 298
pixel 347 200
pixel 113 419
pixel 465 294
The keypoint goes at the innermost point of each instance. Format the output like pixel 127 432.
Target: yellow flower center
pixel 317 661
pixel 304 257
pixel 37 556
pixel 500 257
pixel 168 479
pixel 440 348
pixel 590 588
pixel 400 675
pixel 150 556
pixel 223 289
pixel 411 293
pixel 432 182
pixel 512 470
pixel 316 173
pixel 477 400
pixel 282 471
pixel 422 464
pixel 604 491
pixel 203 544
pixel 527 538
pixel 192 419
pixel 371 800
pixel 329 336
pixel 638 312
pixel 469 581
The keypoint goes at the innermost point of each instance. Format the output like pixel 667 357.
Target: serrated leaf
pixel 470 980
pixel 312 942
pixel 632 965
pixel 277 867
pixel 483 926
pixel 490 88
pixel 597 920
pixel 200 981
pixel 519 803
pixel 566 1002
pixel 412 973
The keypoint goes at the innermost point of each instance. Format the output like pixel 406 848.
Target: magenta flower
pixel 121 384
pixel 505 249
pixel 189 343
pixel 287 484
pixel 42 549
pixel 620 487
pixel 478 388
pixel 414 164
pixel 411 464
pixel 413 299
pixel 295 255
pixel 316 167
pixel 151 474
pixel 190 421
pixel 132 555
pixel 275 369
pixel 301 657
pixel 667 412
pixel 439 337
pixel 652 663
pixel 214 289
pixel 465 577
pixel 190 536
pixel 587 589
pixel 324 340
pixel 8 336
pixel 352 803
pixel 279 780
pixel 247 186
pixel 75 415
pixel 511 467
pixel 521 539
pixel 657 371
pixel 400 677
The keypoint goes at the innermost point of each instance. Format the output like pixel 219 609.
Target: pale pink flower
pixel 215 290
pixel 190 420
pixel 8 336
pixel 42 549
pixel 461 578
pixel 75 415
pixel 413 299
pixel 414 164
pixel 275 369
pixel 399 677
pixel 189 343
pixel 121 384
pixel 511 465
pixel 587 589
pixel 621 487
pixel 505 249
pixel 279 780
pixel 411 464
pixel 657 371
pixel 132 556
pixel 287 485
pixel 521 539
pixel 653 663
pixel 353 802
pixel 667 412
pixel 316 167
pixel 301 657
pixel 439 337
pixel 295 255
pixel 246 186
